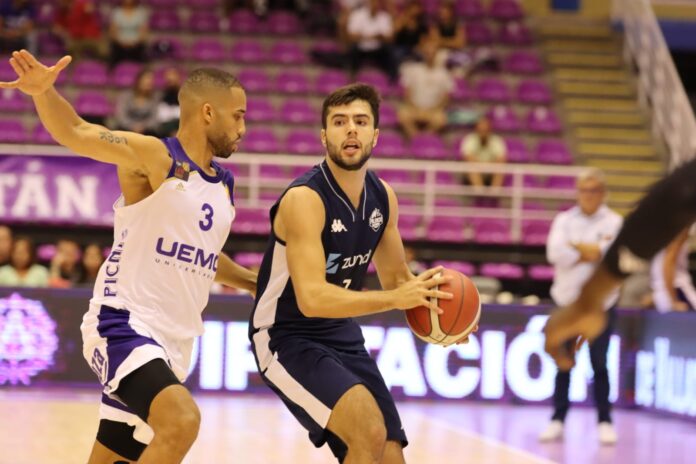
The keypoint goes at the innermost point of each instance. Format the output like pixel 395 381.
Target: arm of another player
pixel 300 221
pixel 233 275
pixel 126 149
pixel 669 269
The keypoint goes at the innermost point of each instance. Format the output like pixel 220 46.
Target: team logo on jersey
pixel 332 263
pixel 376 220
pixel 337 226
pixel 182 170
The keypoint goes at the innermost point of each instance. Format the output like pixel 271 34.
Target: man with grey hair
pixel 578 240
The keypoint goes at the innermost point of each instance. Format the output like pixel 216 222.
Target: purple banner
pixel 57 190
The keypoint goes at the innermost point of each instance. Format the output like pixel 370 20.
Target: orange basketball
pixel 461 314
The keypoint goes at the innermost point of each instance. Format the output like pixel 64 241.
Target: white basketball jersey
pixel 166 249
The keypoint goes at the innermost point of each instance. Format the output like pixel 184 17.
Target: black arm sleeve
pixel 667 209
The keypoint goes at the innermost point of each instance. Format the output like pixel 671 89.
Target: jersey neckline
pixel 176 145
pixel 338 191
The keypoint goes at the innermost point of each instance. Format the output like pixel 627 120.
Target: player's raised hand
pixel 416 292
pixel 33 77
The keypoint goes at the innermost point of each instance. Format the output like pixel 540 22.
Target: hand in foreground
pixel 418 291
pixel 465 339
pixel 33 77
pixel 567 324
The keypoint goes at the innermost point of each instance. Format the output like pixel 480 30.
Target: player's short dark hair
pixel 209 77
pixel 348 94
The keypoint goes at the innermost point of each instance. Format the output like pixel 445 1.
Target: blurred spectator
pixel 136 109
pixel 92 259
pixel 673 289
pixel 449 35
pixel 66 268
pixel 371 31
pixel 428 87
pixel 78 24
pixel 17 18
pixel 5 245
pixel 346 7
pixel 410 28
pixel 483 146
pixel 23 270
pixel 128 32
pixel 168 107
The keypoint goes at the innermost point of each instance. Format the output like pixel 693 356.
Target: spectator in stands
pixel 128 32
pixel 17 20
pixel 168 107
pixel 78 24
pixel 345 8
pixel 409 30
pixel 483 146
pixel 92 259
pixel 578 240
pixel 450 36
pixel 5 245
pixel 66 267
pixel 371 32
pixel 22 271
pixel 672 286
pixel 427 91
pixel 136 109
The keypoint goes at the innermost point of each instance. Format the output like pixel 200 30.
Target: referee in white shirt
pixel 578 239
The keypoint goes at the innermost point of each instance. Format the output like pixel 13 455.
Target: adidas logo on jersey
pixel 337 226
pixel 180 187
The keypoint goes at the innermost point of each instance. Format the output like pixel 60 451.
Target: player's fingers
pixel 9 85
pixel 22 58
pixel 426 275
pixel 428 304
pixel 463 341
pixel 17 67
pixel 440 295
pixel 30 59
pixel 61 64
pixel 438 280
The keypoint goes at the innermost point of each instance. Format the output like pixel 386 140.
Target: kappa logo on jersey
pixel 376 220
pixel 337 226
pixel 333 262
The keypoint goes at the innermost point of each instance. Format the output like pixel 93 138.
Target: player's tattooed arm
pixel 109 137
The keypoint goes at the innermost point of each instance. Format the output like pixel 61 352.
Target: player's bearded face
pixel 222 145
pixel 352 163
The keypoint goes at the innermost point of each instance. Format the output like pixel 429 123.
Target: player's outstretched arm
pixel 300 221
pixel 125 149
pixel 233 275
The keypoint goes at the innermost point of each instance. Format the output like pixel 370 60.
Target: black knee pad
pixel 139 388
pixel 118 437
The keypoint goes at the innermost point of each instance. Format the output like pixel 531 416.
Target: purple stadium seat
pixel 14 101
pixel 170 48
pixel 255 80
pixel 446 229
pixel 93 103
pixel 204 21
pixel 410 226
pixel 41 136
pixel 167 20
pixel 329 80
pixel 391 145
pixel 124 74
pixel 298 111
pixel 429 146
pixel 463 91
pixel 260 110
pixel 470 9
pixel 493 90
pixel 12 131
pixel 543 120
pixel 387 115
pixel 284 23
pixel 377 79
pixel 504 119
pixel 288 53
pixel 293 82
pixel 272 172
pixel 553 152
pixel 535 232
pixel 248 259
pixel 45 15
pixel 50 44
pixel 541 272
pixel 523 62
pixel 45 252
pixel 7 74
pixel 211 50
pixel 502 271
pixel 506 10
pixel 243 21
pixel 561 182
pixel 514 33
pixel 479 33
pixel 251 221
pixel 395 176
pixel 534 92
pixel 496 231
pixel 248 51
pixel 303 142
pixel 517 151
pixel 261 140
pixel 465 268
pixel 90 73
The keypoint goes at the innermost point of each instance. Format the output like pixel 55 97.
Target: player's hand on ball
pixel 465 340
pixel 418 291
pixel 33 77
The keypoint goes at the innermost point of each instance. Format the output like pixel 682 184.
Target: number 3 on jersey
pixel 207 221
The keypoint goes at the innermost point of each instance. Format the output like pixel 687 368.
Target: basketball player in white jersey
pixel 171 223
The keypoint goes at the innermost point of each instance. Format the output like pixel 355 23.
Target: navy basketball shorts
pixel 311 377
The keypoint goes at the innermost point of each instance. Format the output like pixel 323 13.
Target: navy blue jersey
pixel 350 238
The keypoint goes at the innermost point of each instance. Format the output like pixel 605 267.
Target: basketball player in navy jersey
pixel 170 225
pixel 667 209
pixel 326 228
